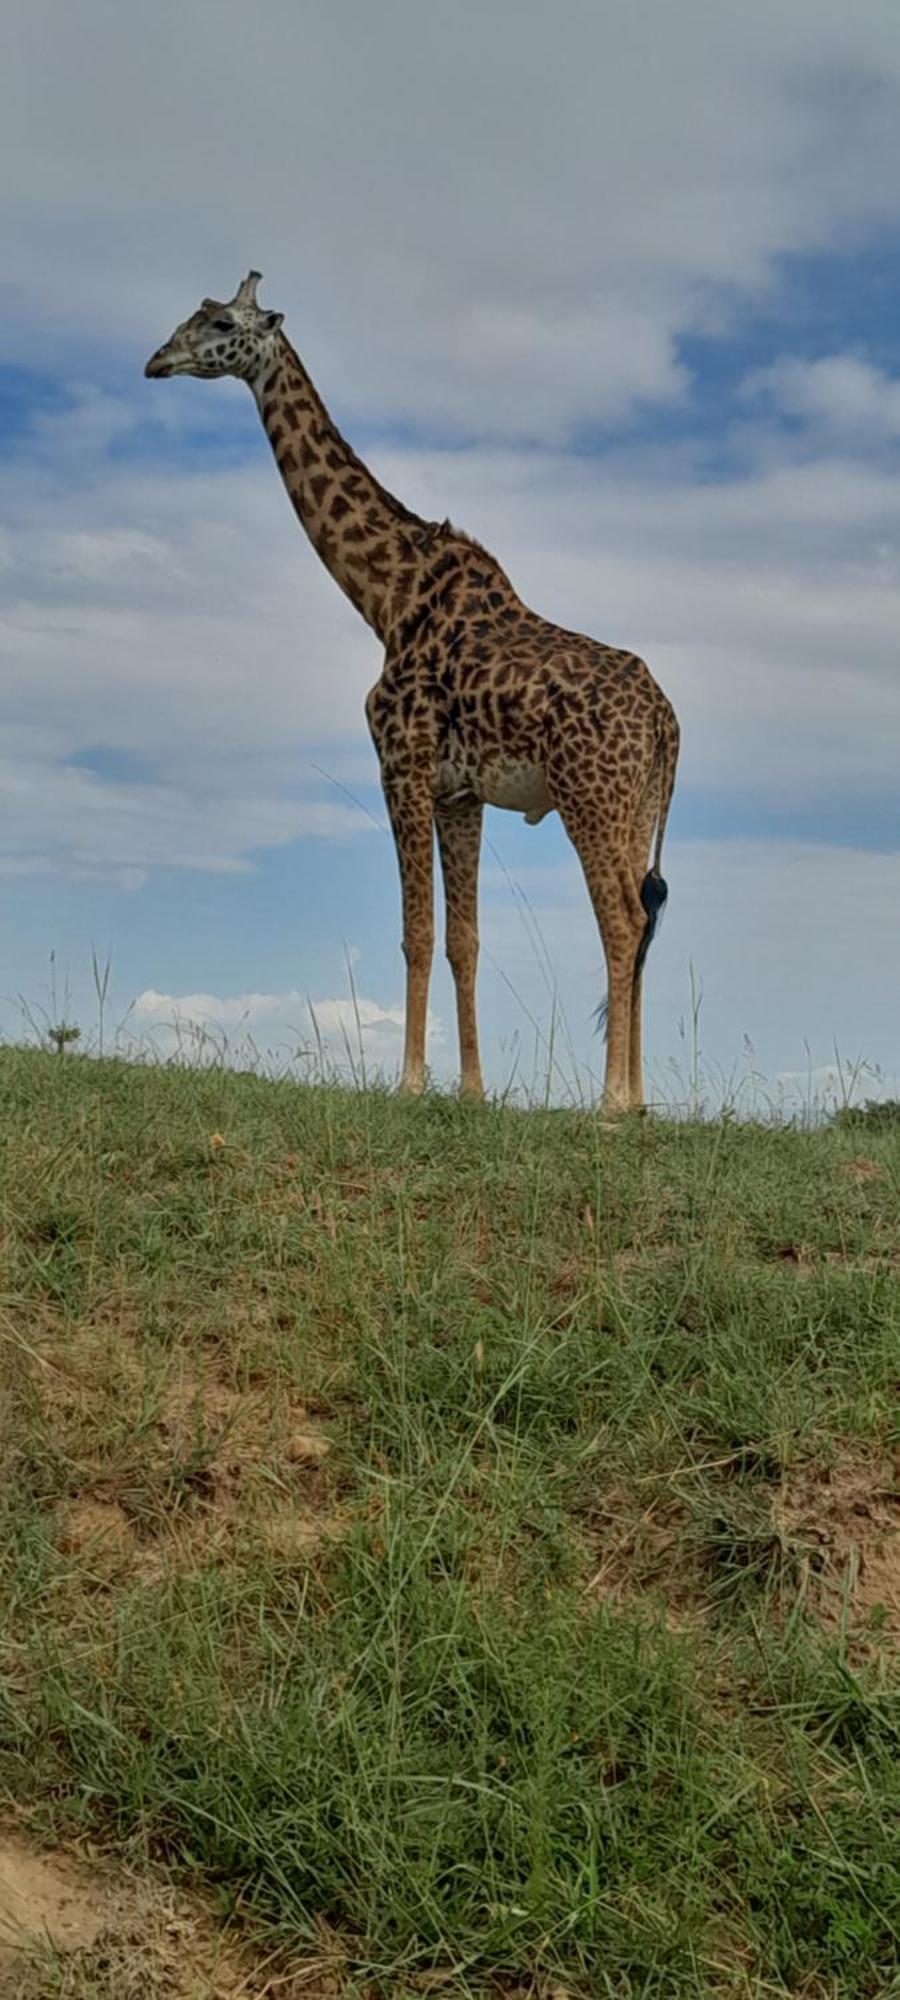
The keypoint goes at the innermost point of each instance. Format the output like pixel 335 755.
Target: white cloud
pixel 179 622
pixel 63 819
pixel 840 393
pixel 349 1035
pixel 90 422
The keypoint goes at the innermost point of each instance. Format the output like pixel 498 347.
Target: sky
pixel 615 287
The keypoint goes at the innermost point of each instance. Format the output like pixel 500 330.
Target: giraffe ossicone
pixel 246 291
pixel 479 701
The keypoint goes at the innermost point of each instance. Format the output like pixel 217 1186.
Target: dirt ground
pixel 846 1518
pixel 72 1930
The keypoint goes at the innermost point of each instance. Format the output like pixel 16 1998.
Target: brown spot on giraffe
pixel 479 701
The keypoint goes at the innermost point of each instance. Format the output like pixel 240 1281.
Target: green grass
pixel 465 1534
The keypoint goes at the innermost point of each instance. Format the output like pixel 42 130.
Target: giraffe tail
pixel 654 890
pixel 667 759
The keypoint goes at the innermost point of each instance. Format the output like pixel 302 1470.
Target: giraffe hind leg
pixel 645 895
pixel 652 893
pixel 620 918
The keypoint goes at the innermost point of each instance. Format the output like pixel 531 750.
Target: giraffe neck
pixel 369 541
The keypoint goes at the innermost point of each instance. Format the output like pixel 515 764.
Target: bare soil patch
pixel 845 1518
pixel 74 1931
pixel 47 1898
pixel 216 1465
pixel 862 1170
pixel 641 1558
pixel 101 1528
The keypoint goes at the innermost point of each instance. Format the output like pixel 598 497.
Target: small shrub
pixel 873 1116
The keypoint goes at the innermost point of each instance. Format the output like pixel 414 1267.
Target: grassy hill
pixel 460 1544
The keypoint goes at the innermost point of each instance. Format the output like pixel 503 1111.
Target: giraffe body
pixel 480 700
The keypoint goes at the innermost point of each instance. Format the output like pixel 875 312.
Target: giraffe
pixel 479 701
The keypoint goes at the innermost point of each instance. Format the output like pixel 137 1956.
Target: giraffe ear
pixel 273 321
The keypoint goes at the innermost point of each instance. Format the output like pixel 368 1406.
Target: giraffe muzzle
pixel 159 363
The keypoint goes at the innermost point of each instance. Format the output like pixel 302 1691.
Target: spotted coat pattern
pixel 479 700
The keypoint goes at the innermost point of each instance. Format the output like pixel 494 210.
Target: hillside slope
pixel 464 1541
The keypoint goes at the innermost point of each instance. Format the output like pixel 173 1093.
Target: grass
pixel 466 1537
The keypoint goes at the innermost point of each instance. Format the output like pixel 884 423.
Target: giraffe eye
pixel 223 325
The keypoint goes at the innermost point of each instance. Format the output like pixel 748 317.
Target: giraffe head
pixel 232 339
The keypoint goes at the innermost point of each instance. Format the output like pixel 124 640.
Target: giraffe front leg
pixel 412 820
pixel 459 841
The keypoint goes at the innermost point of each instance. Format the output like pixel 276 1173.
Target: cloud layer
pixel 841 395
pixel 177 664
pixel 482 218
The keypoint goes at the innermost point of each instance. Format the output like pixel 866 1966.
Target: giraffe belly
pixel 517 787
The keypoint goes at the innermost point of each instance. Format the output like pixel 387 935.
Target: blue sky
pixel 620 299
